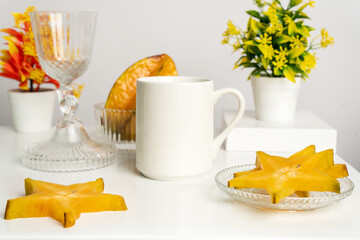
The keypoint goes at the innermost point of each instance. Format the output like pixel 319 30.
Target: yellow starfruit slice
pixel 325 163
pixel 304 171
pixel 36 186
pixel 62 203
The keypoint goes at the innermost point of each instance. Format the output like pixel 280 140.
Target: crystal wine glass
pixel 63 42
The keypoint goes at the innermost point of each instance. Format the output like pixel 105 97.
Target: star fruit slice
pixel 62 203
pixel 326 164
pixel 306 151
pixel 300 173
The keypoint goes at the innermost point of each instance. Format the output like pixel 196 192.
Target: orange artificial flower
pixel 20 61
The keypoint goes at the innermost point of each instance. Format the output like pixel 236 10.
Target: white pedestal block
pixel 254 135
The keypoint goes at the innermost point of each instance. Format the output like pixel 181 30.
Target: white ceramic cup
pixel 174 126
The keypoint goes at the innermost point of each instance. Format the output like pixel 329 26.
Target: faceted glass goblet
pixel 63 43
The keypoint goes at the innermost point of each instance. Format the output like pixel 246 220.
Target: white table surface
pixel 167 210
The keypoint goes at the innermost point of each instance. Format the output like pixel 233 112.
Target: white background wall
pixel 190 32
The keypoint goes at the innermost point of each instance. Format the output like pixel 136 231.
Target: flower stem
pixel 31 85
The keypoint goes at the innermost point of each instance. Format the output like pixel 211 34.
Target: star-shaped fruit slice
pixel 303 171
pixel 62 203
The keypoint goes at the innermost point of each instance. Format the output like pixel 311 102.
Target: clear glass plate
pixel 259 197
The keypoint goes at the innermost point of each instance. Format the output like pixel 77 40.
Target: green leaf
pixel 292 60
pixel 255 26
pixel 256 73
pixel 245 59
pixel 278 72
pixel 310 28
pixel 262 26
pixel 249 24
pixel 302 7
pixel 292 29
pixel 248 65
pixel 294 3
pixel 265 19
pixel 289 73
pixel 303 31
pixel 265 62
pixel 250 35
pixel 295 52
pixel 296 69
pixel 251 43
pixel 279 2
pixel 262 48
pixel 282 39
pixel 239 61
pixel 299 23
pixel 302 15
pixel 254 14
pixel 251 49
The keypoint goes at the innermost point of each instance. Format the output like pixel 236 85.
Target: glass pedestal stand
pixel 70 148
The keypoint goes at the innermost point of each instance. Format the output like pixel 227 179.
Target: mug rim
pixel 174 80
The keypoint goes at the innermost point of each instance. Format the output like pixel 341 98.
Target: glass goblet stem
pixel 68 102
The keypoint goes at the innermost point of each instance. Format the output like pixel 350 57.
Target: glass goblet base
pixel 69 149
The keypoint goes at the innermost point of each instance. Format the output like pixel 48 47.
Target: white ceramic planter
pixel 32 111
pixel 275 98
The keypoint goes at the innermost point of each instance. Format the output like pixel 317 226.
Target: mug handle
pixel 240 112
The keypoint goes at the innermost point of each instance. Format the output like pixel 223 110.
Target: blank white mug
pixel 174 126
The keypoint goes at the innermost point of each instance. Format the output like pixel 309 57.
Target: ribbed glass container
pixel 69 149
pixel 115 125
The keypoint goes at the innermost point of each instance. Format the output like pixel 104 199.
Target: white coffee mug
pixel 174 126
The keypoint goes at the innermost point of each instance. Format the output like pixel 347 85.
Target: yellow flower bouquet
pixel 276 40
